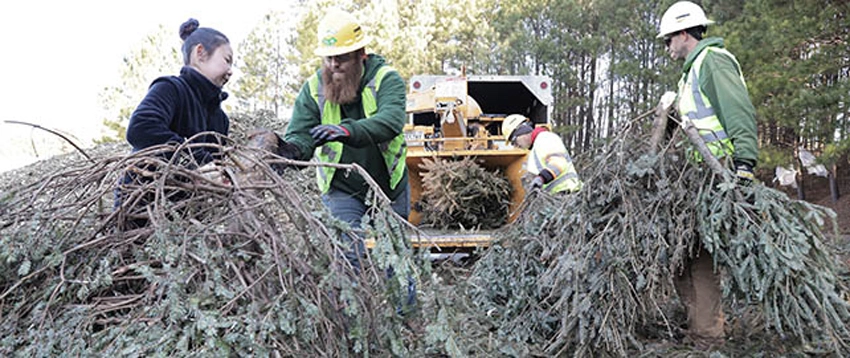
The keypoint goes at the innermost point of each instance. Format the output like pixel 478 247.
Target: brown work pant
pixel 699 289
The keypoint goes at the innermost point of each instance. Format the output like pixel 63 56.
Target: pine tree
pixel 157 55
pixel 267 73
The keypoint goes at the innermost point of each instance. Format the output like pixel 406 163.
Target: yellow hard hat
pixel 511 123
pixel 680 16
pixel 339 33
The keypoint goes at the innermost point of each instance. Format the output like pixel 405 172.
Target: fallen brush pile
pixel 592 272
pixel 252 266
pixel 461 194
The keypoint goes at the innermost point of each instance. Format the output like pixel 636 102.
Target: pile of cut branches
pixel 463 194
pixel 254 267
pixel 249 267
pixel 593 271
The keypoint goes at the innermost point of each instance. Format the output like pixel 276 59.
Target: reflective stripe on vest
pixel 564 181
pixel 695 106
pixel 394 151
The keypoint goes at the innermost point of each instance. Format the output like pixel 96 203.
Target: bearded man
pixel 352 111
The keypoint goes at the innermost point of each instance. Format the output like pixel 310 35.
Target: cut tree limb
pixel 659 126
pixel 699 143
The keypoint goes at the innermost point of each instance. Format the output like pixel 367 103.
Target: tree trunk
pixel 610 118
pixel 591 88
pixel 801 194
pixel 833 185
pixel 580 88
pixel 801 191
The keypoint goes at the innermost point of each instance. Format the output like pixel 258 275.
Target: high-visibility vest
pixel 695 106
pixel 394 151
pixel 547 145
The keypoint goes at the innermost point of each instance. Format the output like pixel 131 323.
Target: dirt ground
pixel 842 210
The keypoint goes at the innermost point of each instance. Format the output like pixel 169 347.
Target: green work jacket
pixel 375 122
pixel 713 95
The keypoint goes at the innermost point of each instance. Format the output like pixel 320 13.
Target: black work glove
pixel 537 183
pixel 288 151
pixel 328 133
pixel 744 173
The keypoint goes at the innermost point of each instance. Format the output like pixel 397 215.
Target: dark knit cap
pixel 524 128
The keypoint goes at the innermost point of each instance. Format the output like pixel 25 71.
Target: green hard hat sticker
pixel 329 41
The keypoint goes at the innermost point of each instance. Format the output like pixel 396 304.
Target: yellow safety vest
pixel 547 145
pixel 394 151
pixel 695 106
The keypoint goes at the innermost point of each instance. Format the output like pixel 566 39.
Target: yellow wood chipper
pixel 454 117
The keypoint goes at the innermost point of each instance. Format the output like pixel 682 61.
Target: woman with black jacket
pixel 177 108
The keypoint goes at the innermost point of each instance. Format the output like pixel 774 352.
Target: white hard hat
pixel 510 124
pixel 680 16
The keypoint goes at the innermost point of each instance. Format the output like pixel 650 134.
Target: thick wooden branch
pixel 659 126
pixel 712 162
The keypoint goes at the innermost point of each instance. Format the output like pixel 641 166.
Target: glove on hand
pixel 328 133
pixel 744 172
pixel 537 183
pixel 214 173
pixel 288 151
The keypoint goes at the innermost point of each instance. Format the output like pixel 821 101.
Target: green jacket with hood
pixel 362 147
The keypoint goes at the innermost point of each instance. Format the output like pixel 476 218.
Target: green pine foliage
pixel 267 81
pixel 254 268
pixel 777 257
pixel 158 54
pixel 795 57
pixel 462 194
pixel 592 272
pixel 603 56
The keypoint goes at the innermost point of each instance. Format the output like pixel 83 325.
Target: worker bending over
pixel 549 159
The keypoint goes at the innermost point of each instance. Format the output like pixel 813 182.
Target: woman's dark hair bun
pixel 188 28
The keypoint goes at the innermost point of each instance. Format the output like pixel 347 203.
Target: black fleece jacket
pixel 177 108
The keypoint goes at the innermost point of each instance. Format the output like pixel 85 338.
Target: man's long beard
pixel 342 89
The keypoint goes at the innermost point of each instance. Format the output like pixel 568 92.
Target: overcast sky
pixel 58 55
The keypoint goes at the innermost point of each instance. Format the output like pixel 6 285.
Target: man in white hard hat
pixel 352 111
pixel 713 96
pixel 549 160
